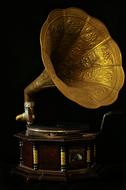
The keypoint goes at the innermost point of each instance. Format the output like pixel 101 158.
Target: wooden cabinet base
pixel 47 175
pixel 60 155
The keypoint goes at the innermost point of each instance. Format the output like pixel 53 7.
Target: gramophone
pixel 83 61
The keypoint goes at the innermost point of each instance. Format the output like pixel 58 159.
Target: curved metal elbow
pixel 28 116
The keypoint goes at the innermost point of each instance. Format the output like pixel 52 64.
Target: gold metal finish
pixel 63 158
pixel 81 59
pixel 35 157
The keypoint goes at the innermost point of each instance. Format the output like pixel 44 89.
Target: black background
pixel 22 63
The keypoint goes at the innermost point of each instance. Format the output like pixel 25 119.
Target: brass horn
pixel 80 58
